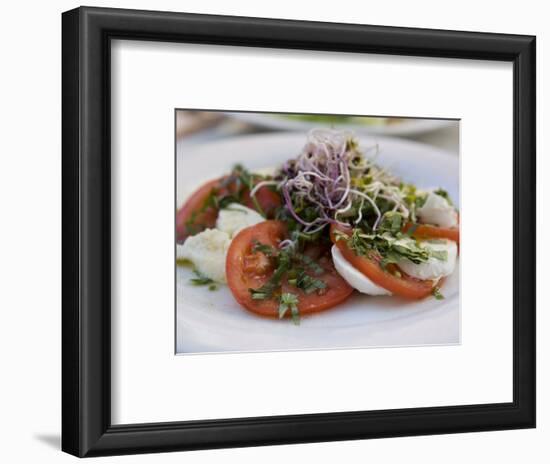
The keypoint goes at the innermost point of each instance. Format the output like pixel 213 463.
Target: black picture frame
pixel 86 229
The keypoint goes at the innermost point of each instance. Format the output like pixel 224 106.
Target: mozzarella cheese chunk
pixel 437 211
pixel 236 217
pixel 207 251
pixel 355 278
pixel 433 268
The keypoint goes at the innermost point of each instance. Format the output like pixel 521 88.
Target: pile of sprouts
pixel 334 183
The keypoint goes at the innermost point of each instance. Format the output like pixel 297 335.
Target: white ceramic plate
pixel 406 126
pixel 212 321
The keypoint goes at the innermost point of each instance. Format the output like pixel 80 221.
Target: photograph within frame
pixel 402 173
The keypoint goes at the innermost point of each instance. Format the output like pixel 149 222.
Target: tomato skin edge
pixel 427 231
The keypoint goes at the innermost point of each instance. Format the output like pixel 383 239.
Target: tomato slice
pixel 195 215
pixel 426 231
pixel 404 286
pixel 248 269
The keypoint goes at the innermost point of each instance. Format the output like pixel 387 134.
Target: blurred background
pixel 202 126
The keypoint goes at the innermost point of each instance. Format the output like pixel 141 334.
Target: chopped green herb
pixel 236 210
pixel 436 292
pixel 270 288
pixel 295 314
pixel 310 263
pixel 200 279
pixel 391 248
pixel 225 201
pixel 444 194
pixel 258 247
pixel 392 222
pixel 412 230
pixel 183 262
pixel 289 301
pixel 420 201
pixel 309 284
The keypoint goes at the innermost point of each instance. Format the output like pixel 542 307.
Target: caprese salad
pixel 302 237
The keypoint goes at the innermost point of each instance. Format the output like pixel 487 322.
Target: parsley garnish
pixel 289 301
pixel 270 288
pixel 392 222
pixel 258 247
pixel 412 229
pixel 201 279
pixel 436 292
pixel 444 194
pixel 308 284
pixel 309 263
pixel 420 201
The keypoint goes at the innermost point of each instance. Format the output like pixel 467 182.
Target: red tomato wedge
pixel 247 269
pixel 196 215
pixel 404 286
pixel 426 231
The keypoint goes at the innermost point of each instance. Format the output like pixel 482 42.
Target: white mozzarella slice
pixel 437 211
pixel 236 217
pixel 433 268
pixel 207 251
pixel 352 276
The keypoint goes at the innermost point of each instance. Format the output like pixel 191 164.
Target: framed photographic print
pixel 285 231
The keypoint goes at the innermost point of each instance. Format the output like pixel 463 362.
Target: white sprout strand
pixel 373 204
pixel 314 231
pixel 347 181
pixel 261 184
pixel 360 216
pixel 287 244
pixel 344 210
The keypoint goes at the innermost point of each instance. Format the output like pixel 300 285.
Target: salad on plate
pixel 302 237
